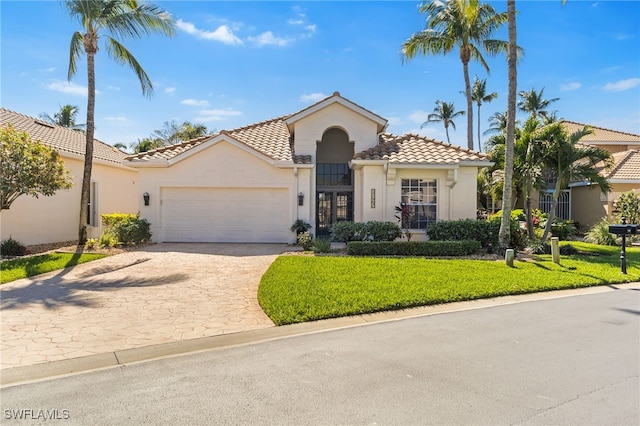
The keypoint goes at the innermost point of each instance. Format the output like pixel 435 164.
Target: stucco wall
pixel 221 165
pixel 588 205
pixel 55 219
pixel 309 130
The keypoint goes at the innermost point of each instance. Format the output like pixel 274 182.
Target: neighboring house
pixel 55 219
pixel 585 203
pixel 329 162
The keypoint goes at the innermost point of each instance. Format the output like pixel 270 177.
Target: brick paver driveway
pixel 161 293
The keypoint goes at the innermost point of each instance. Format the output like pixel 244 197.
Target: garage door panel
pixel 225 215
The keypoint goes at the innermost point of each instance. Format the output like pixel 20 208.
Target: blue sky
pixel 236 63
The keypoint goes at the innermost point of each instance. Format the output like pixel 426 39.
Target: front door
pixel 331 207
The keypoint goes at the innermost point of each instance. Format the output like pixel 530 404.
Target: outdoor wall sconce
pixel 145 196
pixel 300 199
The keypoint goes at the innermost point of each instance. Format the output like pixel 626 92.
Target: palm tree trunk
pixel 479 143
pixel 446 130
pixel 552 214
pixel 527 211
pixel 467 89
pixel 88 156
pixel 504 235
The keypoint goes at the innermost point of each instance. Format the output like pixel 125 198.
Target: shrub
pixel 300 226
pixel 11 247
pixel 628 203
pixel 484 231
pixel 305 240
pixel 516 214
pixel 321 246
pixel 413 248
pixel 599 234
pixel 564 229
pixel 381 231
pixel 92 243
pixel 131 230
pixel 109 220
pixel 345 231
pixel 107 239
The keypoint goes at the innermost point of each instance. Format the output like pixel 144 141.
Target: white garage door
pixel 242 215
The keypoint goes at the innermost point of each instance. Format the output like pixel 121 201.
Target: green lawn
pixel 12 270
pixel 304 288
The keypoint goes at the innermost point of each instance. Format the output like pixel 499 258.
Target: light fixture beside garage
pixel 146 197
pixel 300 199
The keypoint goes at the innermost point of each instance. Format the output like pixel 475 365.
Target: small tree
pixel 628 205
pixel 28 168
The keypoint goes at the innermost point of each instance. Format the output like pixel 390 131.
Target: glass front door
pixel 331 207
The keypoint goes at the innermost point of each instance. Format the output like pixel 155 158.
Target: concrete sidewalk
pixel 163 293
pixel 141 353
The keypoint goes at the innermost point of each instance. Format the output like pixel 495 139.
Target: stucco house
pixel 584 202
pixel 55 219
pixel 329 162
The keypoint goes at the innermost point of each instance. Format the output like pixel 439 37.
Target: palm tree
pixel 66 117
pixel 120 19
pixel 465 24
pixel 504 235
pixel 443 112
pixel 571 161
pixel 479 95
pixel 121 146
pixel 534 103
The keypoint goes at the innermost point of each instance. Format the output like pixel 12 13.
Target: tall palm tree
pixel 479 95
pixel 534 102
pixel 111 21
pixel 571 161
pixel 66 117
pixel 504 235
pixel 444 112
pixel 465 24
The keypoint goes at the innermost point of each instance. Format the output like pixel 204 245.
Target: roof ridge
pixel 257 124
pixel 172 146
pixel 599 127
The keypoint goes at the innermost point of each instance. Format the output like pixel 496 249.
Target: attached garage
pixel 243 215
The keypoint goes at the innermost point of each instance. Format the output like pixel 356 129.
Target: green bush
pixel 564 229
pixel 107 239
pixel 599 234
pixel 321 246
pixel 11 247
pixel 305 240
pixel 516 215
pixel 131 230
pixel 484 231
pixel 109 220
pixel 413 248
pixel 92 243
pixel 382 231
pixel 345 231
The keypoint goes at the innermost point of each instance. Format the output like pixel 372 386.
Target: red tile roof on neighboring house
pixel 415 149
pixel 60 138
pixel 600 134
pixel 626 166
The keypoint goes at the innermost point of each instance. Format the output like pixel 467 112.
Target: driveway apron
pixel 161 293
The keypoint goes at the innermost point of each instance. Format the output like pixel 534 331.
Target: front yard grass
pixel 305 288
pixel 11 270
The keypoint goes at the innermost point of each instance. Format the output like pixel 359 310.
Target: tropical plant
pixel 111 21
pixel 120 146
pixel 28 168
pixel 305 240
pixel 404 216
pixel 571 161
pixel 628 207
pixel 465 24
pixel 321 246
pixel 444 112
pixel 479 95
pixel 11 247
pixel 534 103
pixel 66 117
pixel 599 234
pixel 300 226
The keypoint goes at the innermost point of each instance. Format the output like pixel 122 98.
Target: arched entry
pixel 334 180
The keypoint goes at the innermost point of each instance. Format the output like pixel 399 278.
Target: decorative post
pixel 509 256
pixel 555 250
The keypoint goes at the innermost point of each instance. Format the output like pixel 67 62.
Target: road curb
pixel 30 373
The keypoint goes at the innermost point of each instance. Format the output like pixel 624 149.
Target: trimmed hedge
pixel 413 248
pixel 484 231
pixel 373 230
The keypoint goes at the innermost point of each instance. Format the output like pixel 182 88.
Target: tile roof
pixel 600 134
pixel 168 152
pixel 416 149
pixel 626 166
pixel 60 138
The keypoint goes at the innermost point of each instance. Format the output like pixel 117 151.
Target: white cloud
pixel 169 90
pixel 68 87
pixel 312 97
pixel 119 118
pixel 418 116
pixel 295 22
pixel 622 85
pixel 222 34
pixel 268 39
pixel 195 102
pixel 50 69
pixel 311 28
pixel 570 86
pixel 208 115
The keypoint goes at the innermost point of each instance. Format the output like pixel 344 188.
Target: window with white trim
pixel 421 199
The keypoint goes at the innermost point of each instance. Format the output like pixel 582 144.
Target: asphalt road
pixel 573 360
